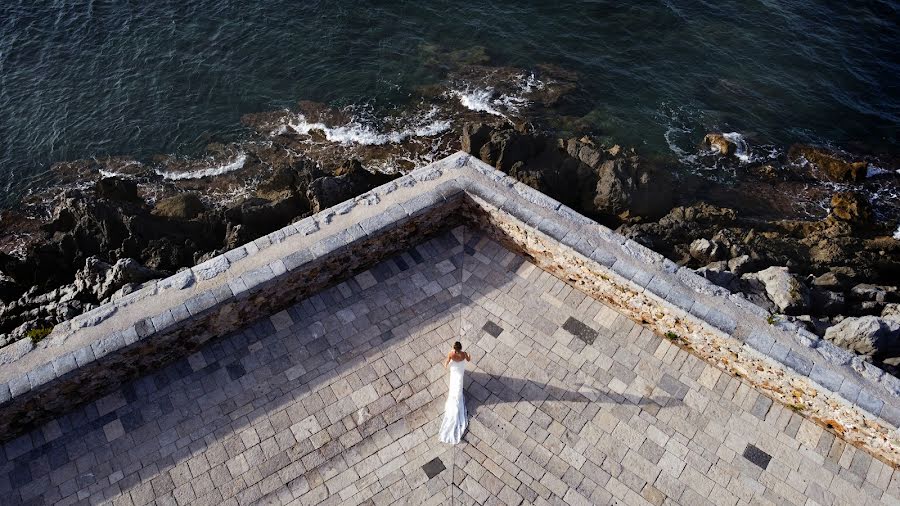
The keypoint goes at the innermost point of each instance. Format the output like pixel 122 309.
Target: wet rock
pixel 719 143
pixel 788 294
pixel 184 206
pixel 829 163
pixel 851 207
pixel 869 336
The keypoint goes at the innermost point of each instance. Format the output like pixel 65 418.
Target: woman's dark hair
pixel 457 346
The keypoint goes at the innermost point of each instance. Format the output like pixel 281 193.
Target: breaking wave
pixel 237 164
pixel 742 149
pixel 357 132
pixel 478 100
pixel 488 100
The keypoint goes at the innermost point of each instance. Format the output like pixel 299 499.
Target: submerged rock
pixel 832 165
pixel 719 143
pixel 851 207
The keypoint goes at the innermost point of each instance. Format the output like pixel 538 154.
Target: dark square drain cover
pixel 433 467
pixel 580 330
pixel 757 456
pixel 492 328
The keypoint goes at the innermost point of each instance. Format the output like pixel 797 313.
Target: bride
pixel 454 423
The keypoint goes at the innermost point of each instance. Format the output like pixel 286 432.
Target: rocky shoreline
pixel 107 226
pixel 835 276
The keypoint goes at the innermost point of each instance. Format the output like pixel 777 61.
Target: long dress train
pixel 454 423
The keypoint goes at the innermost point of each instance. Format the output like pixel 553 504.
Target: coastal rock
pixel 891 312
pixel 706 251
pixel 110 279
pixel 832 165
pixel 836 279
pixel 751 288
pixel 9 289
pixel 351 180
pixel 626 187
pixel 826 302
pixel 115 188
pixel 851 207
pixel 869 336
pixel 717 272
pixel 874 293
pixel 718 142
pixel 740 264
pixel 184 206
pixel 788 294
pixel 507 147
pixel 474 136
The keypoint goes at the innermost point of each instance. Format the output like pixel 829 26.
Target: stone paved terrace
pixel 337 401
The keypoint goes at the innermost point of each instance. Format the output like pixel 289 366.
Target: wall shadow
pixel 484 389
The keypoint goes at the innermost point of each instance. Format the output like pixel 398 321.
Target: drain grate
pixel 580 330
pixel 433 467
pixel 757 456
pixel 492 328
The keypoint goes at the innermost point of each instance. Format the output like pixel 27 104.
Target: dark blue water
pixel 96 78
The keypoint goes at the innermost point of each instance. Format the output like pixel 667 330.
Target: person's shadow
pixel 484 389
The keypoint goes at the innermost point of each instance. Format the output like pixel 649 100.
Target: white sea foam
pixel 530 82
pixel 873 170
pixel 742 149
pixel 682 155
pixel 236 164
pixel 897 233
pixel 478 100
pixel 107 173
pixel 360 133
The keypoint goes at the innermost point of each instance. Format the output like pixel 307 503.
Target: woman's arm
pixel 468 357
pixel 447 362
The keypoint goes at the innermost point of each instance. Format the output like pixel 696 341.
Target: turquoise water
pixel 95 78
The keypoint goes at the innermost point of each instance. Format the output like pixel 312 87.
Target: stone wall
pixel 97 351
pixel 173 319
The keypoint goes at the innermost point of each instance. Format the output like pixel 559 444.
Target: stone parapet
pixel 97 351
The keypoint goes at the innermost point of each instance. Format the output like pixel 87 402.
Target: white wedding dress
pixel 454 423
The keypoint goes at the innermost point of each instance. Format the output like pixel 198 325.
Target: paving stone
pixel 339 399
